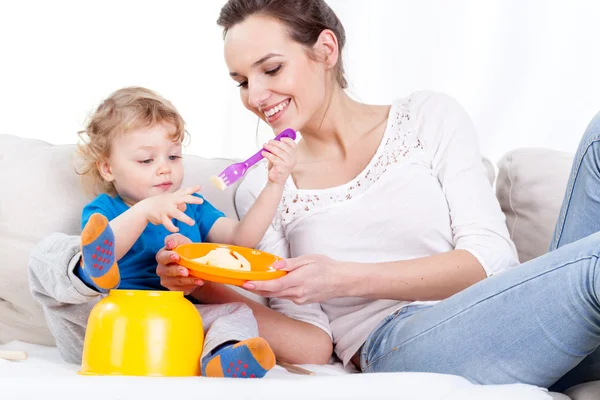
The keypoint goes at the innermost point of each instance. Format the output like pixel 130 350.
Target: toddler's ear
pixel 105 170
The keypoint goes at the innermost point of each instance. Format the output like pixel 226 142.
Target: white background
pixel 527 71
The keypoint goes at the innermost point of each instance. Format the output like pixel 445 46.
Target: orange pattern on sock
pixel 260 349
pixel 94 228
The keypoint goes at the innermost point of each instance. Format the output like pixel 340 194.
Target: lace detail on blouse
pixel 398 146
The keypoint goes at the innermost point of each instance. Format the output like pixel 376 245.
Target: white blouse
pixel 424 192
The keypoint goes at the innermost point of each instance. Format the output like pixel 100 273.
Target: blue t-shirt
pixel 138 266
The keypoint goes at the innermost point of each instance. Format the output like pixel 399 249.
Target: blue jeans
pixel 538 323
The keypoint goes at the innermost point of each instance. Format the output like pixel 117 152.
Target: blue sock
pixel 251 358
pixel 98 268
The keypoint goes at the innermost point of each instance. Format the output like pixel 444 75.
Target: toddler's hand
pixel 162 208
pixel 282 159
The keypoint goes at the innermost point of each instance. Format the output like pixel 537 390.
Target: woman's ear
pixel 105 170
pixel 326 48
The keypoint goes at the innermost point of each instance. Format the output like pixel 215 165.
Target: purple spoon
pixel 234 172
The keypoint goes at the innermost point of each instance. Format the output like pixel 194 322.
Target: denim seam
pixel 569 194
pixel 394 348
pixel 390 318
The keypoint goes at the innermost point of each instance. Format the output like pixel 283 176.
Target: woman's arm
pixel 429 278
pixel 316 278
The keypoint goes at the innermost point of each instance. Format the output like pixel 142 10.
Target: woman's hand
pixel 310 279
pixel 173 276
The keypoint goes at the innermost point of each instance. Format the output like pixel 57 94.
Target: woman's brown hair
pixel 304 20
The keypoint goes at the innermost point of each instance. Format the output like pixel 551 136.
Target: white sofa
pixel 41 194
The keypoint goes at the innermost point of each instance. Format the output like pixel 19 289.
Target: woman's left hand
pixel 310 279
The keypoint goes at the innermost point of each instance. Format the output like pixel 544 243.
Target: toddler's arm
pixel 128 226
pixel 250 230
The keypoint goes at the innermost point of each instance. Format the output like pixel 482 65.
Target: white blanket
pixel 44 376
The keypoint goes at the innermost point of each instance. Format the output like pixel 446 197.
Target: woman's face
pixel 278 80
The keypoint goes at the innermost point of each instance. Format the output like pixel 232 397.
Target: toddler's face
pixel 144 162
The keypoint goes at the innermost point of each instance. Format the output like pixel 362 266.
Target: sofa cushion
pixel 42 194
pixel 585 391
pixel 530 188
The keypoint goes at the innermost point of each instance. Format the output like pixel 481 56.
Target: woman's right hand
pixel 172 275
pixel 310 279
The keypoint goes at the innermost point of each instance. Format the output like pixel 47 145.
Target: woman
pixel 390 228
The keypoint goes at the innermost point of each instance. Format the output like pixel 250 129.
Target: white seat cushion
pixel 44 375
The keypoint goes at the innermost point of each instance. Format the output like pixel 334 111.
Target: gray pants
pixel 67 301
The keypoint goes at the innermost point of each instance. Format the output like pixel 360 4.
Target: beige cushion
pixel 585 391
pixel 41 194
pixel 530 187
pixel 559 396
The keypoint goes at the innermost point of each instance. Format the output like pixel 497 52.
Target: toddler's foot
pixel 98 267
pixel 251 358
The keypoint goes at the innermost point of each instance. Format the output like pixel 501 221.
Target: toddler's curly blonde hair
pixel 125 110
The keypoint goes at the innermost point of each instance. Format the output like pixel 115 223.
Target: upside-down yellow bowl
pixel 143 333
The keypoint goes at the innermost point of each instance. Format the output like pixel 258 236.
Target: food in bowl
pixel 225 258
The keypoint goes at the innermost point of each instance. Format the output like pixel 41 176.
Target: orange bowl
pixel 259 264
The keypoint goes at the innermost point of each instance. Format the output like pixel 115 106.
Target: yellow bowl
pixel 143 333
pixel 259 264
